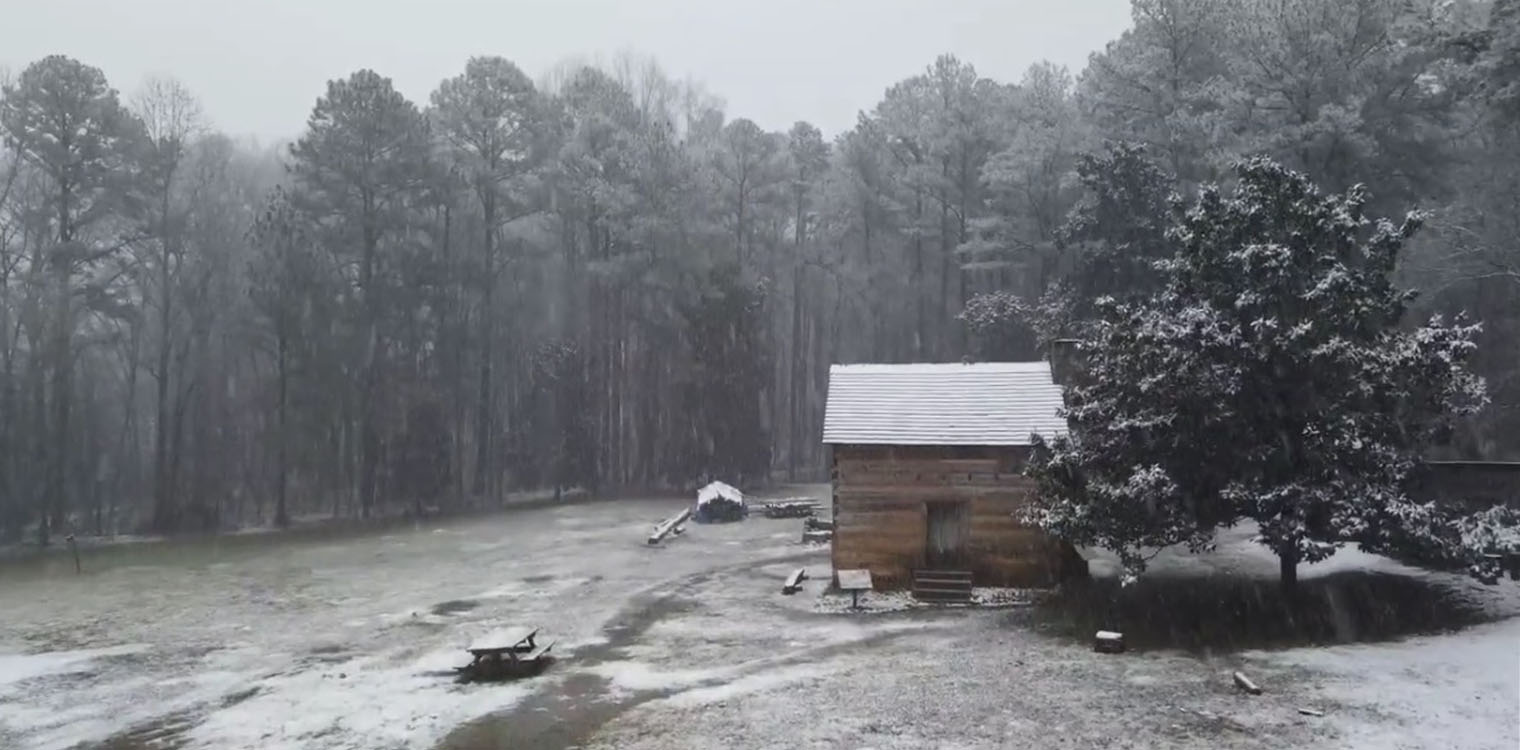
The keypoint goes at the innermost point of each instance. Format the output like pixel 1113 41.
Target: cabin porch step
pixel 960 575
pixel 955 580
pixel 942 585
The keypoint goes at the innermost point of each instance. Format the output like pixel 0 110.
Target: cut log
pixel 669 525
pixel 817 537
pixel 1244 683
pixel 1311 712
pixel 1108 642
pixel 794 581
pixel 789 509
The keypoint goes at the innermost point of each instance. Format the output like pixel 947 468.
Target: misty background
pixel 482 249
pixel 257 66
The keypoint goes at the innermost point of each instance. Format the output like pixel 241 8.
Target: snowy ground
pixel 348 642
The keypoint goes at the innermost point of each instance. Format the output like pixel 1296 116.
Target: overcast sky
pixel 258 65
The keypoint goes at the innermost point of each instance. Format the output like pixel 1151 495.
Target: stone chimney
pixel 1065 359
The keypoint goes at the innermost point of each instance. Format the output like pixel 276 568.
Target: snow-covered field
pixel 347 642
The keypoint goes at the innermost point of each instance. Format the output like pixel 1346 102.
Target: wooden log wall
pixel 1469 486
pixel 881 497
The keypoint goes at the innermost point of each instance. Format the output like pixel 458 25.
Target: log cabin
pixel 927 472
pixel 1466 485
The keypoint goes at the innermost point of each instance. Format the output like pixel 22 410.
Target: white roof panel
pixel 715 490
pixel 983 403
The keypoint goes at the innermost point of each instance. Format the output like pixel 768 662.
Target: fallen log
pixel 794 581
pixel 1244 683
pixel 1311 712
pixel 669 525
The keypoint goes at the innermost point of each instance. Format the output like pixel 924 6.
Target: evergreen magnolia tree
pixel 1268 380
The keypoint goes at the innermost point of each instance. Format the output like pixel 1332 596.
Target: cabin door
pixel 948 528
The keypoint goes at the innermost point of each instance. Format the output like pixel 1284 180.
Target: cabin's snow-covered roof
pixel 983 403
pixel 716 490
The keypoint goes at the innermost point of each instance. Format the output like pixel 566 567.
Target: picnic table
pixel 506 654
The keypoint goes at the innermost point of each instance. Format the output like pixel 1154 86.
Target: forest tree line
pixel 601 279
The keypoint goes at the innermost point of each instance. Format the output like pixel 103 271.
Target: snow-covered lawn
pixel 348 642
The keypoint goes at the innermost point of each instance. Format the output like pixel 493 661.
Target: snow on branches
pixel 1268 379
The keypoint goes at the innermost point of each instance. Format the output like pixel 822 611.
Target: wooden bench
pixel 508 639
pixel 539 652
pixel 794 581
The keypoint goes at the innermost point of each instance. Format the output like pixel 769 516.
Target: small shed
pixel 718 503
pixel 928 464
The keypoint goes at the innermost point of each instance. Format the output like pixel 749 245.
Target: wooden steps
pixel 942 586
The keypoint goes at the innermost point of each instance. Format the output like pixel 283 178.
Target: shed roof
pixel 984 403
pixel 715 490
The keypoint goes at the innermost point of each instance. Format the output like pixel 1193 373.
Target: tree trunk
pixel 484 411
pixel 127 436
pixel 368 442
pixel 281 508
pixel 946 253
pixel 63 366
pixel 1287 561
pixel 797 374
pixel 164 513
pixel 10 515
pixel 797 370
pixel 920 321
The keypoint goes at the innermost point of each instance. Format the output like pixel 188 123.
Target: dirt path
pixel 274 645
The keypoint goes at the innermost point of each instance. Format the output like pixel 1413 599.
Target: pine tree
pixel 359 170
pixel 64 120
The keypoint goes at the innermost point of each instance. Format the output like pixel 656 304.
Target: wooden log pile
pixel 720 503
pixel 810 536
pixel 790 508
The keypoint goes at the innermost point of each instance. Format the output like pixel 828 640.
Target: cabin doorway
pixel 948 529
